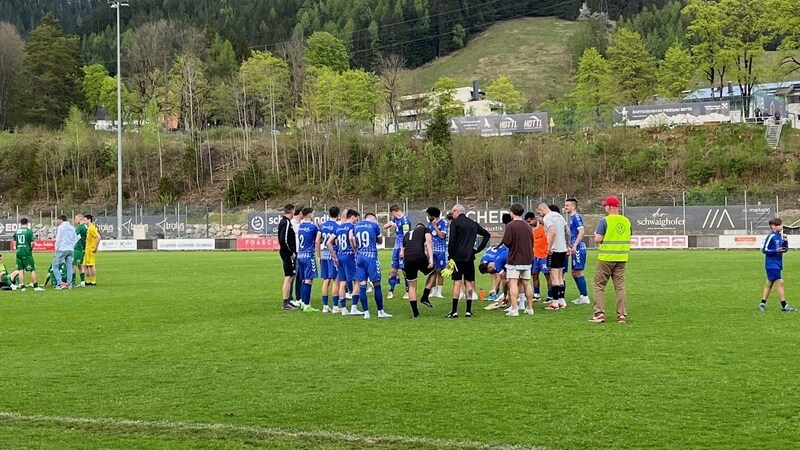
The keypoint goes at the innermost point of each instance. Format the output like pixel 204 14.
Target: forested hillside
pixel 421 30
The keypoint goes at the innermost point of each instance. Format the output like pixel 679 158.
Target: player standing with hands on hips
pixel 775 245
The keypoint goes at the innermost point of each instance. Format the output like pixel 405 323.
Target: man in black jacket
pixel 288 253
pixel 461 248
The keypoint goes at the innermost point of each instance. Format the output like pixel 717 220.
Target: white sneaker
pixel 582 300
pixel 438 293
pixel 348 296
pixel 83 284
pixel 344 312
pixel 513 313
pixel 390 296
pixel 536 299
pixel 562 303
pixel 521 298
pixel 369 287
pixel 383 314
pixel 529 312
pixel 508 309
pixel 474 295
pixel 500 297
pixel 366 314
pixel 13 287
pixel 355 312
pixel 295 303
pixel 326 309
pixel 335 310
pixel 405 297
pixel 39 289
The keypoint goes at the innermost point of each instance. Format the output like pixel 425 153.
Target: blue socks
pixel 305 293
pixel 582 288
pixel 536 291
pixel 335 300
pixel 325 300
pixel 378 297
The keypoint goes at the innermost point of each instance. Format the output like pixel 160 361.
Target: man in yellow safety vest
pixel 613 235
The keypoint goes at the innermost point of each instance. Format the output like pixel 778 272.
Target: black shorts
pixel 413 267
pixel 288 266
pixel 558 260
pixel 465 270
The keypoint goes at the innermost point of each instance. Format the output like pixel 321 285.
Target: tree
pixel 222 63
pixel 660 27
pixel 442 97
pixel 746 30
pixel 94 78
pixel 11 56
pixel 590 33
pixel 326 50
pixel 592 94
pixel 704 34
pixel 438 132
pixel 361 94
pixel 633 67
pixel 390 70
pixel 785 15
pixel 676 72
pixel 108 98
pixel 504 92
pixel 51 77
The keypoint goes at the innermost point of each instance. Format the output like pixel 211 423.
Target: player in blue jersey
pixel 402 225
pixel 307 250
pixel 342 248
pixel 327 266
pixel 775 245
pixel 438 228
pixel 577 249
pixel 367 235
pixel 493 262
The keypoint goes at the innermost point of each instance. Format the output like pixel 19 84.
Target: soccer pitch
pixel 192 350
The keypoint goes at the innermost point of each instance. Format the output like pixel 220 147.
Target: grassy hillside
pixel 531 51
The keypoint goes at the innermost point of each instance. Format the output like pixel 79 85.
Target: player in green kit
pixel 5 280
pixel 80 251
pixel 23 238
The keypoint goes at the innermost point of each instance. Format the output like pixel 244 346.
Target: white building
pixel 412 110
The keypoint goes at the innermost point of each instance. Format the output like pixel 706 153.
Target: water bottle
pixel 482 295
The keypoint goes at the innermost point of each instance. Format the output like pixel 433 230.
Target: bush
pixel 168 190
pixel 251 184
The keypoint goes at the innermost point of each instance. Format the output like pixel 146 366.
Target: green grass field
pixel 191 350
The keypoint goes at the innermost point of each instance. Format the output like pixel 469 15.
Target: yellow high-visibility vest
pixel 617 241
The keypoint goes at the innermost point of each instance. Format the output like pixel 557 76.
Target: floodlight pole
pixel 117 4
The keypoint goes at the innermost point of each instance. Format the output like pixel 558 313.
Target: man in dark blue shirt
pixel 775 245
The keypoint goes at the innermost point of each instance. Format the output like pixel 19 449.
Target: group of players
pixel 84 259
pixel 347 247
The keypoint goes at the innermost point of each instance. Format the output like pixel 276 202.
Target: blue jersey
pixel 575 224
pixel 307 237
pixel 403 227
pixel 366 234
pixel 500 259
pixel 491 253
pixel 342 242
pixel 327 230
pixel 439 244
pixel 774 259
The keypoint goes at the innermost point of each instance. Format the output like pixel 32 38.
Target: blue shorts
pixel 774 274
pixel 579 259
pixel 397 262
pixel 540 265
pixel 328 269
pixel 307 268
pixel 368 269
pixel 439 260
pixel 347 268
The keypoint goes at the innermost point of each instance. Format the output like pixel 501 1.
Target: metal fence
pixel 679 210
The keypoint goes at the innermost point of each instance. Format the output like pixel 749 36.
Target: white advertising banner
pixel 642 242
pixel 185 244
pixel 118 245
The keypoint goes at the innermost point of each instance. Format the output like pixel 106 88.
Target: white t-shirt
pixel 296 228
pixel 554 219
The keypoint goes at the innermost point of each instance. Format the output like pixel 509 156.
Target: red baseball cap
pixel 612 200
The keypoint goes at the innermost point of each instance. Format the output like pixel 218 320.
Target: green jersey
pixel 24 241
pixel 80 230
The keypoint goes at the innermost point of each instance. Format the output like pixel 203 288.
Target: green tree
pixel 591 33
pixel 660 27
pixel 592 95
pixel 326 50
pixel 746 30
pixel 634 68
pixel 705 37
pixel 94 77
pixel 438 132
pixel 221 59
pixel 676 72
pixel 504 92
pixel 51 77
pixel 361 94
pixel 11 56
pixel 443 98
pixel 108 98
pixel 785 15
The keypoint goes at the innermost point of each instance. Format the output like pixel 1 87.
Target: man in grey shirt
pixel 66 238
pixel 557 236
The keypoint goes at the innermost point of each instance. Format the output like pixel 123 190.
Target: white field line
pixel 169 425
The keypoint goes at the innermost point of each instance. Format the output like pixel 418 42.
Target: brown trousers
pixel 602 272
